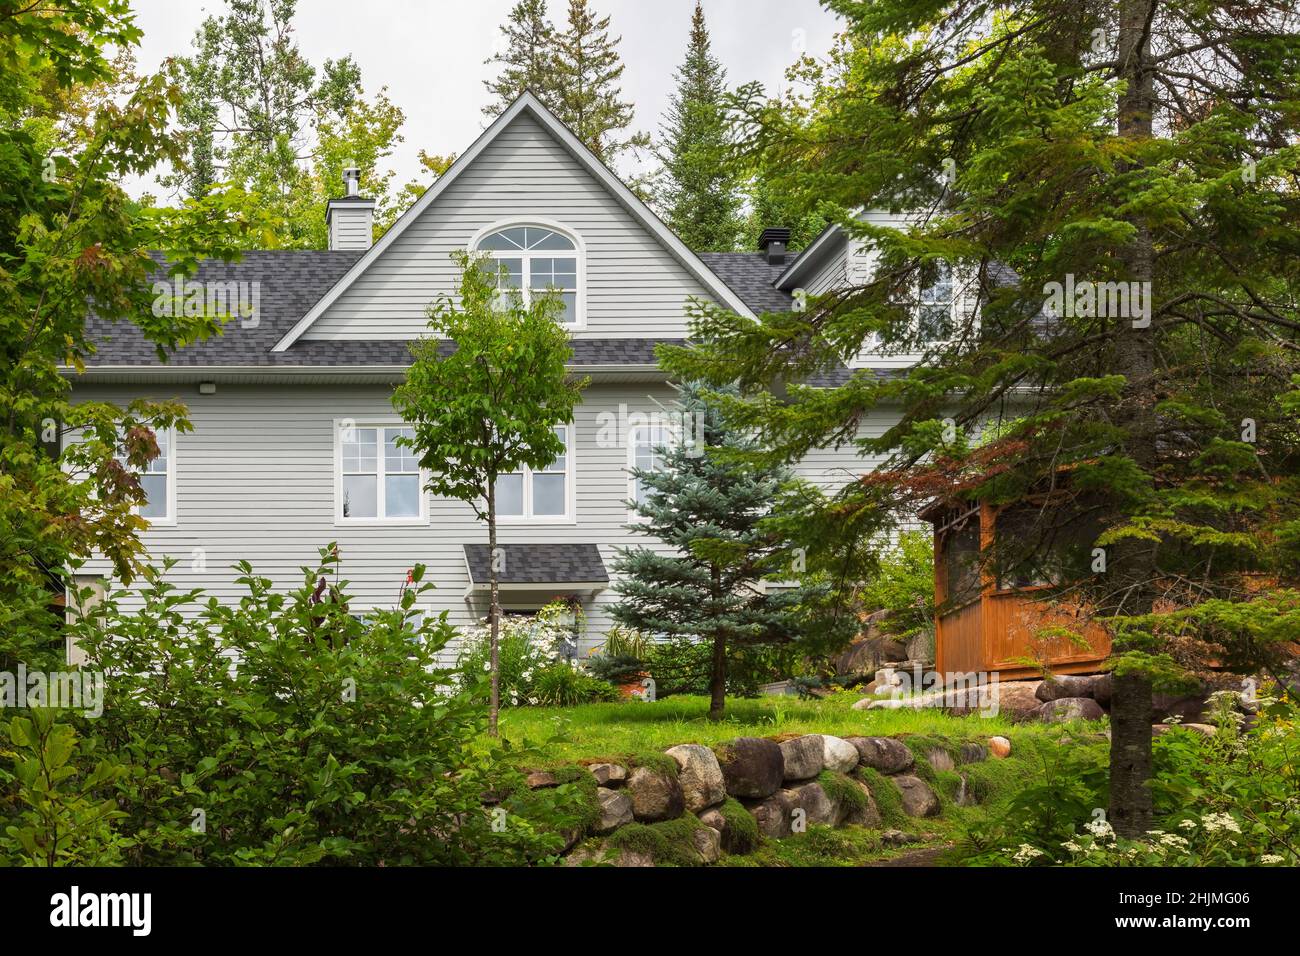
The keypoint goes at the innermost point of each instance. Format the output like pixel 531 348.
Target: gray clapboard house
pixel 293 429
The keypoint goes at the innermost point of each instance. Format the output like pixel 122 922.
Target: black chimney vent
pixel 772 243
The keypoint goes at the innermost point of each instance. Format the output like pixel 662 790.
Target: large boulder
pixel 699 775
pixel 1070 708
pixel 838 754
pixel 918 799
pixel 1188 708
pixel 773 814
pixel 817 807
pixel 1014 699
pixel 883 753
pixel 1017 698
pixel 972 752
pixel 655 795
pixel 1061 686
pixel 615 810
pixel 939 759
pixel 802 757
pixel 751 766
pixel 868 650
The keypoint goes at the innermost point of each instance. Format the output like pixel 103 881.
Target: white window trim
pixel 580 252
pixel 869 356
pixel 171 520
pixel 570 488
pixel 633 516
pixel 380 423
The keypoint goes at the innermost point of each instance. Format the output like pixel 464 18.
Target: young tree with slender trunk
pixel 1100 263
pixel 484 395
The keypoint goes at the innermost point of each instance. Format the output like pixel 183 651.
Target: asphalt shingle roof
pixel 750 276
pixel 290 282
pixel 539 564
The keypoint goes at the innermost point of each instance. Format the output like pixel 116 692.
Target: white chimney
pixel 350 219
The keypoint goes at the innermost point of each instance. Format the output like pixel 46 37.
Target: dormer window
pixel 536 259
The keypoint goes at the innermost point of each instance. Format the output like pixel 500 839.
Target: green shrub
pixel 60 792
pixel 623 641
pixel 563 685
pixel 904 586
pixel 616 669
pixel 283 730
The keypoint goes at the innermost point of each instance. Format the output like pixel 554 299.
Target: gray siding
pixel 256 481
pixel 635 287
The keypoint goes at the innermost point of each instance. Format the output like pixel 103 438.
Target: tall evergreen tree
pixel 709 505
pixel 528 61
pixel 700 198
pixel 588 98
pixel 1113 181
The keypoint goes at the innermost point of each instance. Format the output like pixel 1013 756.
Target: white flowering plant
pixel 534 653
pixel 1227 799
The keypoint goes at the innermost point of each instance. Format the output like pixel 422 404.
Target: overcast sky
pixel 430 53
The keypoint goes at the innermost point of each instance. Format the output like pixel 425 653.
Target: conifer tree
pixel 528 61
pixel 588 98
pixel 699 198
pixel 710 509
pixel 1113 184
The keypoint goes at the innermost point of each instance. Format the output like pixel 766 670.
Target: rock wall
pixel 711 799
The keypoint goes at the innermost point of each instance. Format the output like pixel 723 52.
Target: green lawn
pixel 637 733
pixel 567 734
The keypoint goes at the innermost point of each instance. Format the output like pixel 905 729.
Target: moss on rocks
pixel 668 842
pixel 888 800
pixel 661 763
pixel 842 790
pixel 742 829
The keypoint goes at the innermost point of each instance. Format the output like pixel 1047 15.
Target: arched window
pixel 536 259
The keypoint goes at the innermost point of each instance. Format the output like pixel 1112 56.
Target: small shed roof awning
pixel 569 567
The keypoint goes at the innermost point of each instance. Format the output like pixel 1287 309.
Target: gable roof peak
pixel 527 102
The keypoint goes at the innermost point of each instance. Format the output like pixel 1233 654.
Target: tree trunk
pixel 1131 808
pixel 718 678
pixel 718 674
pixel 494 612
pixel 1130 755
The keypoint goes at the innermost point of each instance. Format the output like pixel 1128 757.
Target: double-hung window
pixel 647 447
pixel 934 307
pixel 533 260
pixel 379 480
pixel 158 480
pixel 542 494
